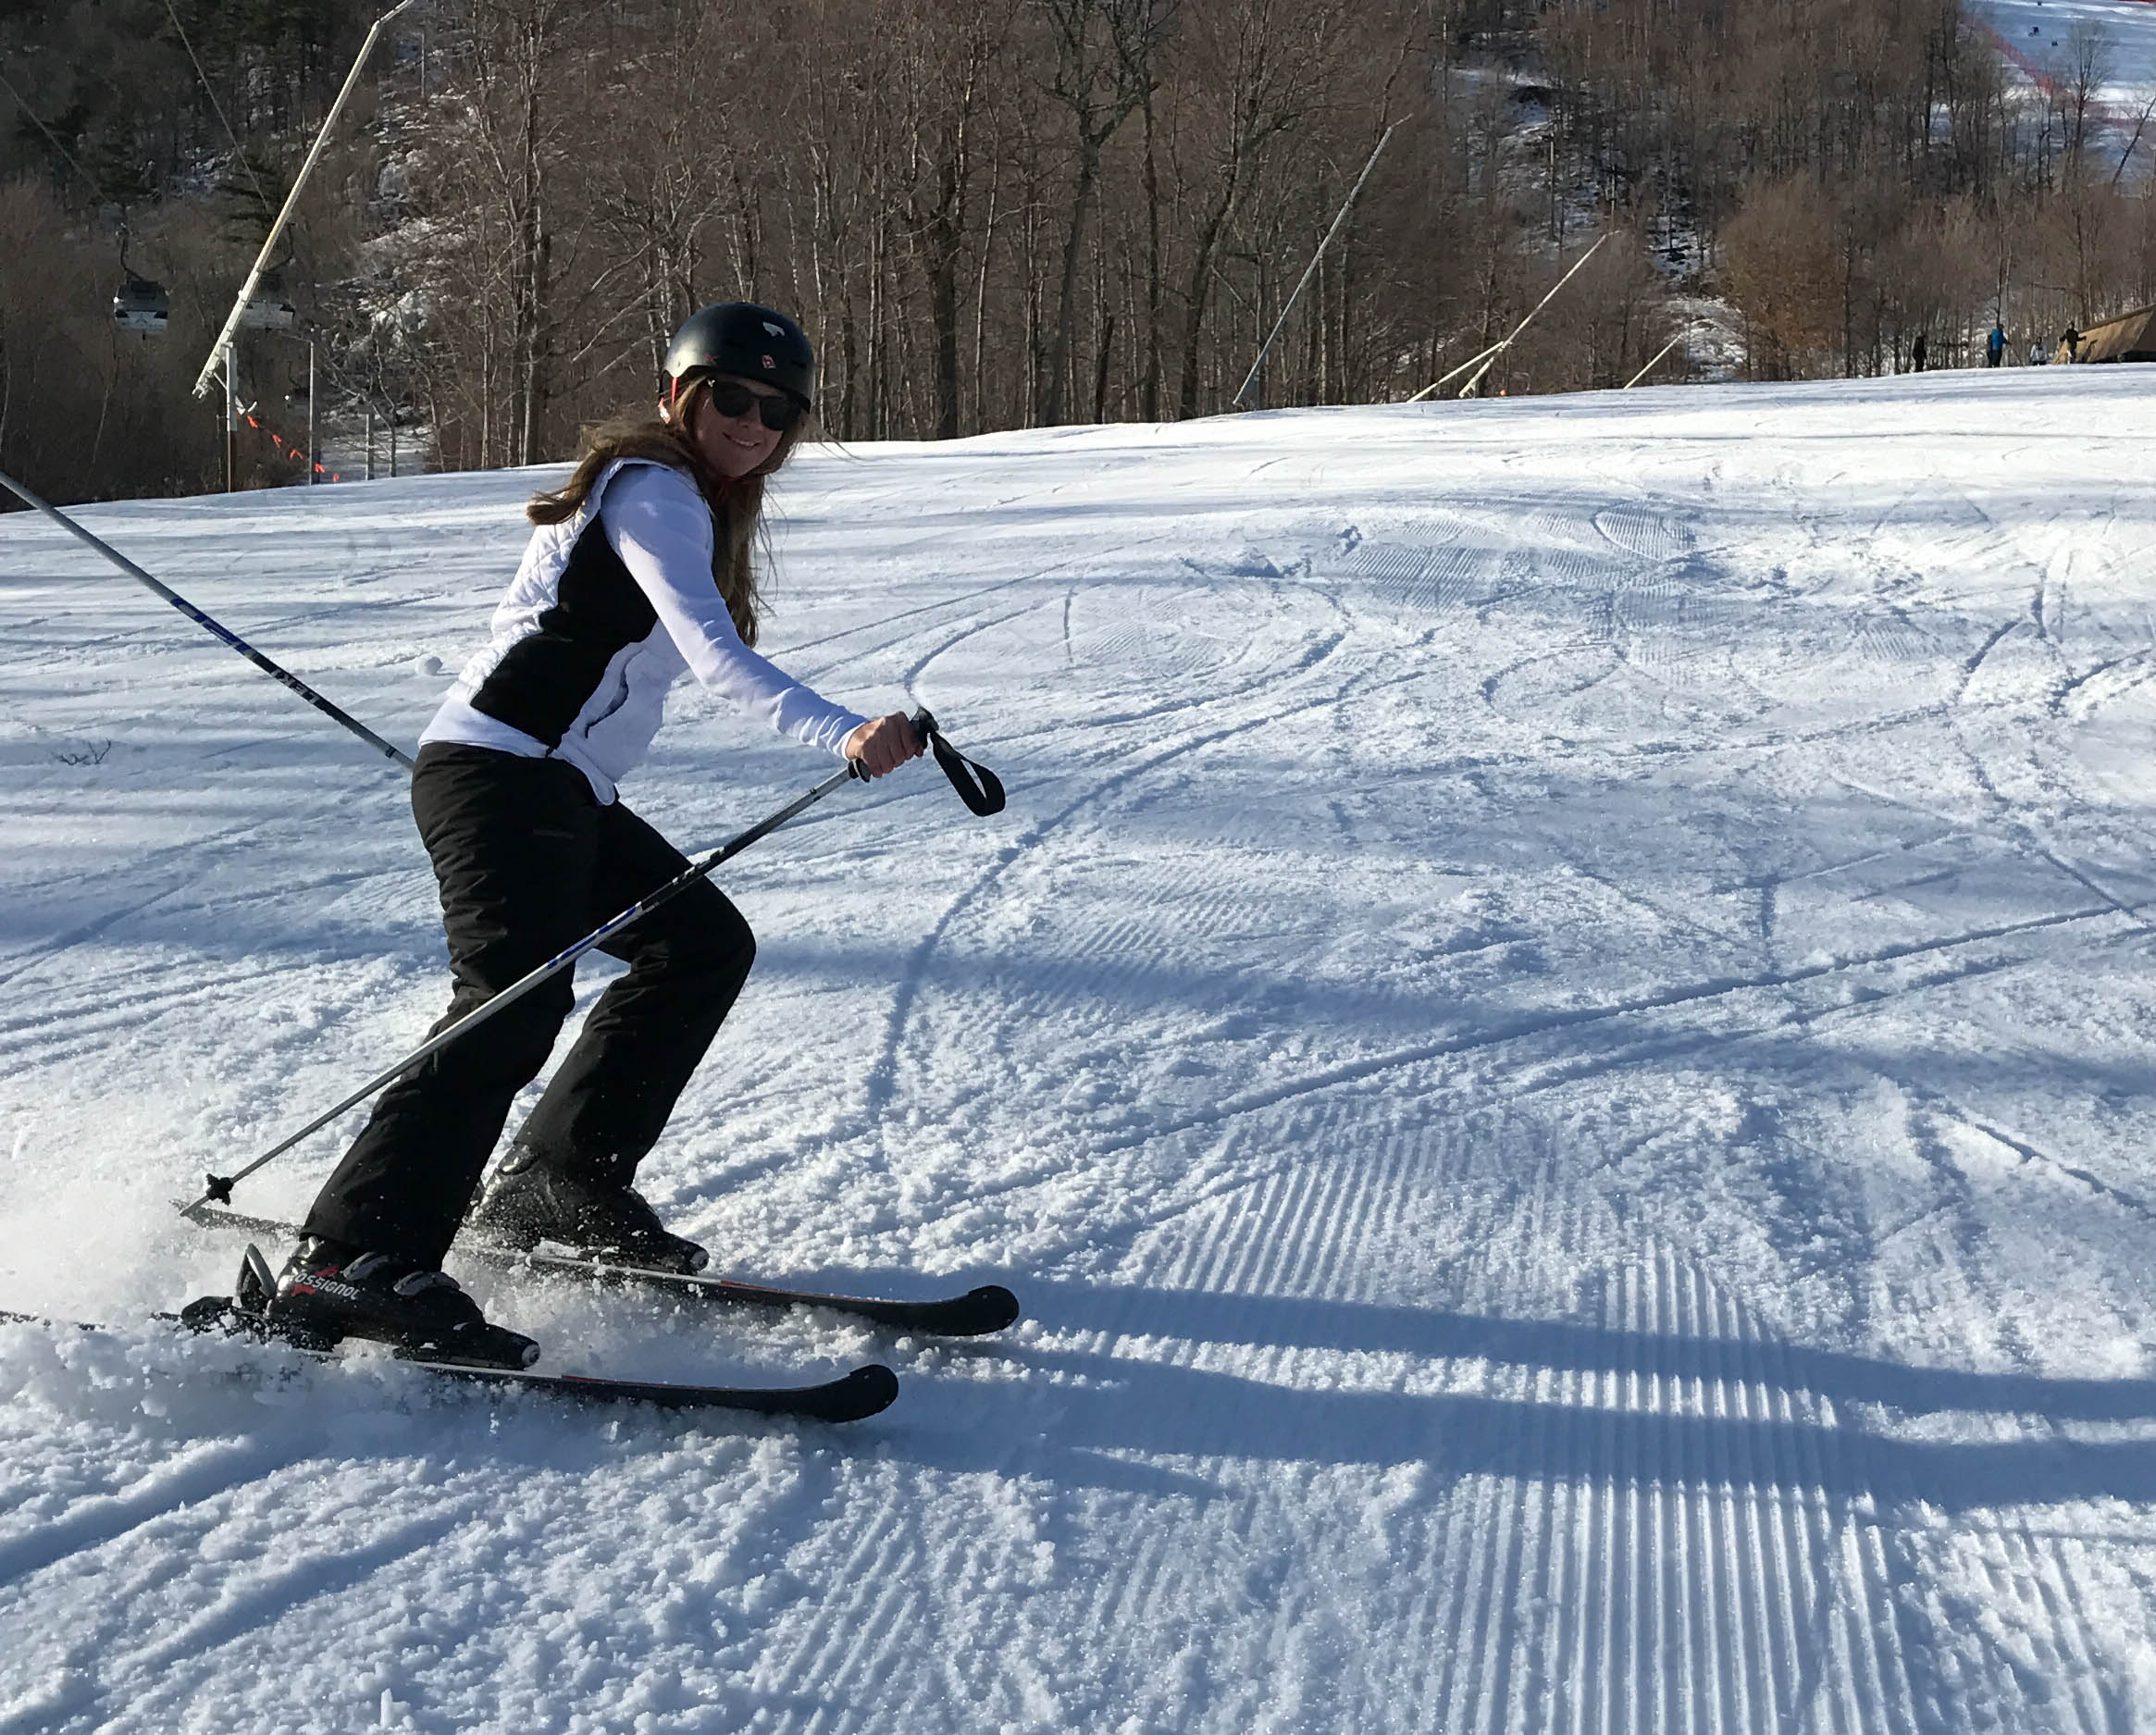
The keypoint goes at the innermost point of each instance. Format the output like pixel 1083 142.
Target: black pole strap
pixel 978 787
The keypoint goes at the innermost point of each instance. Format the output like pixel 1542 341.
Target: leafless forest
pixel 1004 213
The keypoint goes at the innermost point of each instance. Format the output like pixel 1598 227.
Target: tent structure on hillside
pixel 2129 338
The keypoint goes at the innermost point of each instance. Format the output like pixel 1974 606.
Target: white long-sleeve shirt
pixel 607 611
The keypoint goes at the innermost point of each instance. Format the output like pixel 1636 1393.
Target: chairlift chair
pixel 266 309
pixel 270 312
pixel 143 307
pixel 142 304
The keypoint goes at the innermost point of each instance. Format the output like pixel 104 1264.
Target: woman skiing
pixel 639 569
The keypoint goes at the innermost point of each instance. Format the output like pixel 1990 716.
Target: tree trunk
pixel 1193 317
pixel 537 384
pixel 1149 398
pixel 1056 379
pixel 943 318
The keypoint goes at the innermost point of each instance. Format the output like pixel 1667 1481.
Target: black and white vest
pixel 607 611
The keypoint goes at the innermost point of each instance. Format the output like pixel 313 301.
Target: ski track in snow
pixel 1555 1039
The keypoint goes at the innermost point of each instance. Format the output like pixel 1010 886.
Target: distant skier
pixel 2036 352
pixel 2070 340
pixel 639 568
pixel 1916 353
pixel 1995 346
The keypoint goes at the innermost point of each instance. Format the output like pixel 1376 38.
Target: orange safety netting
pixel 291 452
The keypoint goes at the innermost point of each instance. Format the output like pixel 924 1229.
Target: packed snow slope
pixel 1559 1037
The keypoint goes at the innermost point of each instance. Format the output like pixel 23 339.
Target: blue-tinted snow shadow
pixel 1349 1327
pixel 1101 1419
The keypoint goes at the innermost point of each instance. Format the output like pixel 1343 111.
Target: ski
pixel 852 1397
pixel 976 1313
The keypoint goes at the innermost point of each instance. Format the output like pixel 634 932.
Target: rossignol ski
pixel 976 1313
pixel 850 1397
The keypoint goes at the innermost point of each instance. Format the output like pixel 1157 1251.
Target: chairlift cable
pixel 218 109
pixel 97 186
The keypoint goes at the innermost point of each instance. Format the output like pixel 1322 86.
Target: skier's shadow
pixel 1630 1407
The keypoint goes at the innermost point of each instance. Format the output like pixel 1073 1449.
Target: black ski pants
pixel 530 863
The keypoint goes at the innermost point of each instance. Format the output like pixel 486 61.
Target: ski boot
pixel 326 1294
pixel 529 1201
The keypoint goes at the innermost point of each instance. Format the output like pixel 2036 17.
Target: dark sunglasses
pixel 774 410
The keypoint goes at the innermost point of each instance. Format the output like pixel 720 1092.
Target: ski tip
pixel 995 1306
pixel 976 1313
pixel 867 1390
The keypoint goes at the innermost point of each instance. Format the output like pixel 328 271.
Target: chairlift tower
pixel 247 307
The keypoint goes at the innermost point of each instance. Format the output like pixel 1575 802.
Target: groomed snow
pixel 1558 1038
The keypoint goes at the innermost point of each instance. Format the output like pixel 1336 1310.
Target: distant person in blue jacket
pixel 1995 346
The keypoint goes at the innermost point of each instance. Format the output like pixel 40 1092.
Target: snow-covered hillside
pixel 1558 1039
pixel 2043 41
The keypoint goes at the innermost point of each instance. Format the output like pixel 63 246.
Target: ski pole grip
pixel 976 785
pixel 923 725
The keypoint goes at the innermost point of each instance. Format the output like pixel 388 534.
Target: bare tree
pixel 1782 275
pixel 2075 87
pixel 948 56
pixel 1103 65
pixel 1252 74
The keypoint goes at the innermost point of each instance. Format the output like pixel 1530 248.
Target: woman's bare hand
pixel 882 744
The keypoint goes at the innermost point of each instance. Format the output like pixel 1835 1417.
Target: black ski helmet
pixel 744 339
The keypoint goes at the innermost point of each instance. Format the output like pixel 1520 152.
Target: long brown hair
pixel 737 503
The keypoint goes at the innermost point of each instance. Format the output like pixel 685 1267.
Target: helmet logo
pixel 776 331
pixel 770 364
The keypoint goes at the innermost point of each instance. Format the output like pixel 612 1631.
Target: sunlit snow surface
pixel 1558 1038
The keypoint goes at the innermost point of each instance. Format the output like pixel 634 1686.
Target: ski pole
pixel 982 800
pixel 284 676
pixel 220 1187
